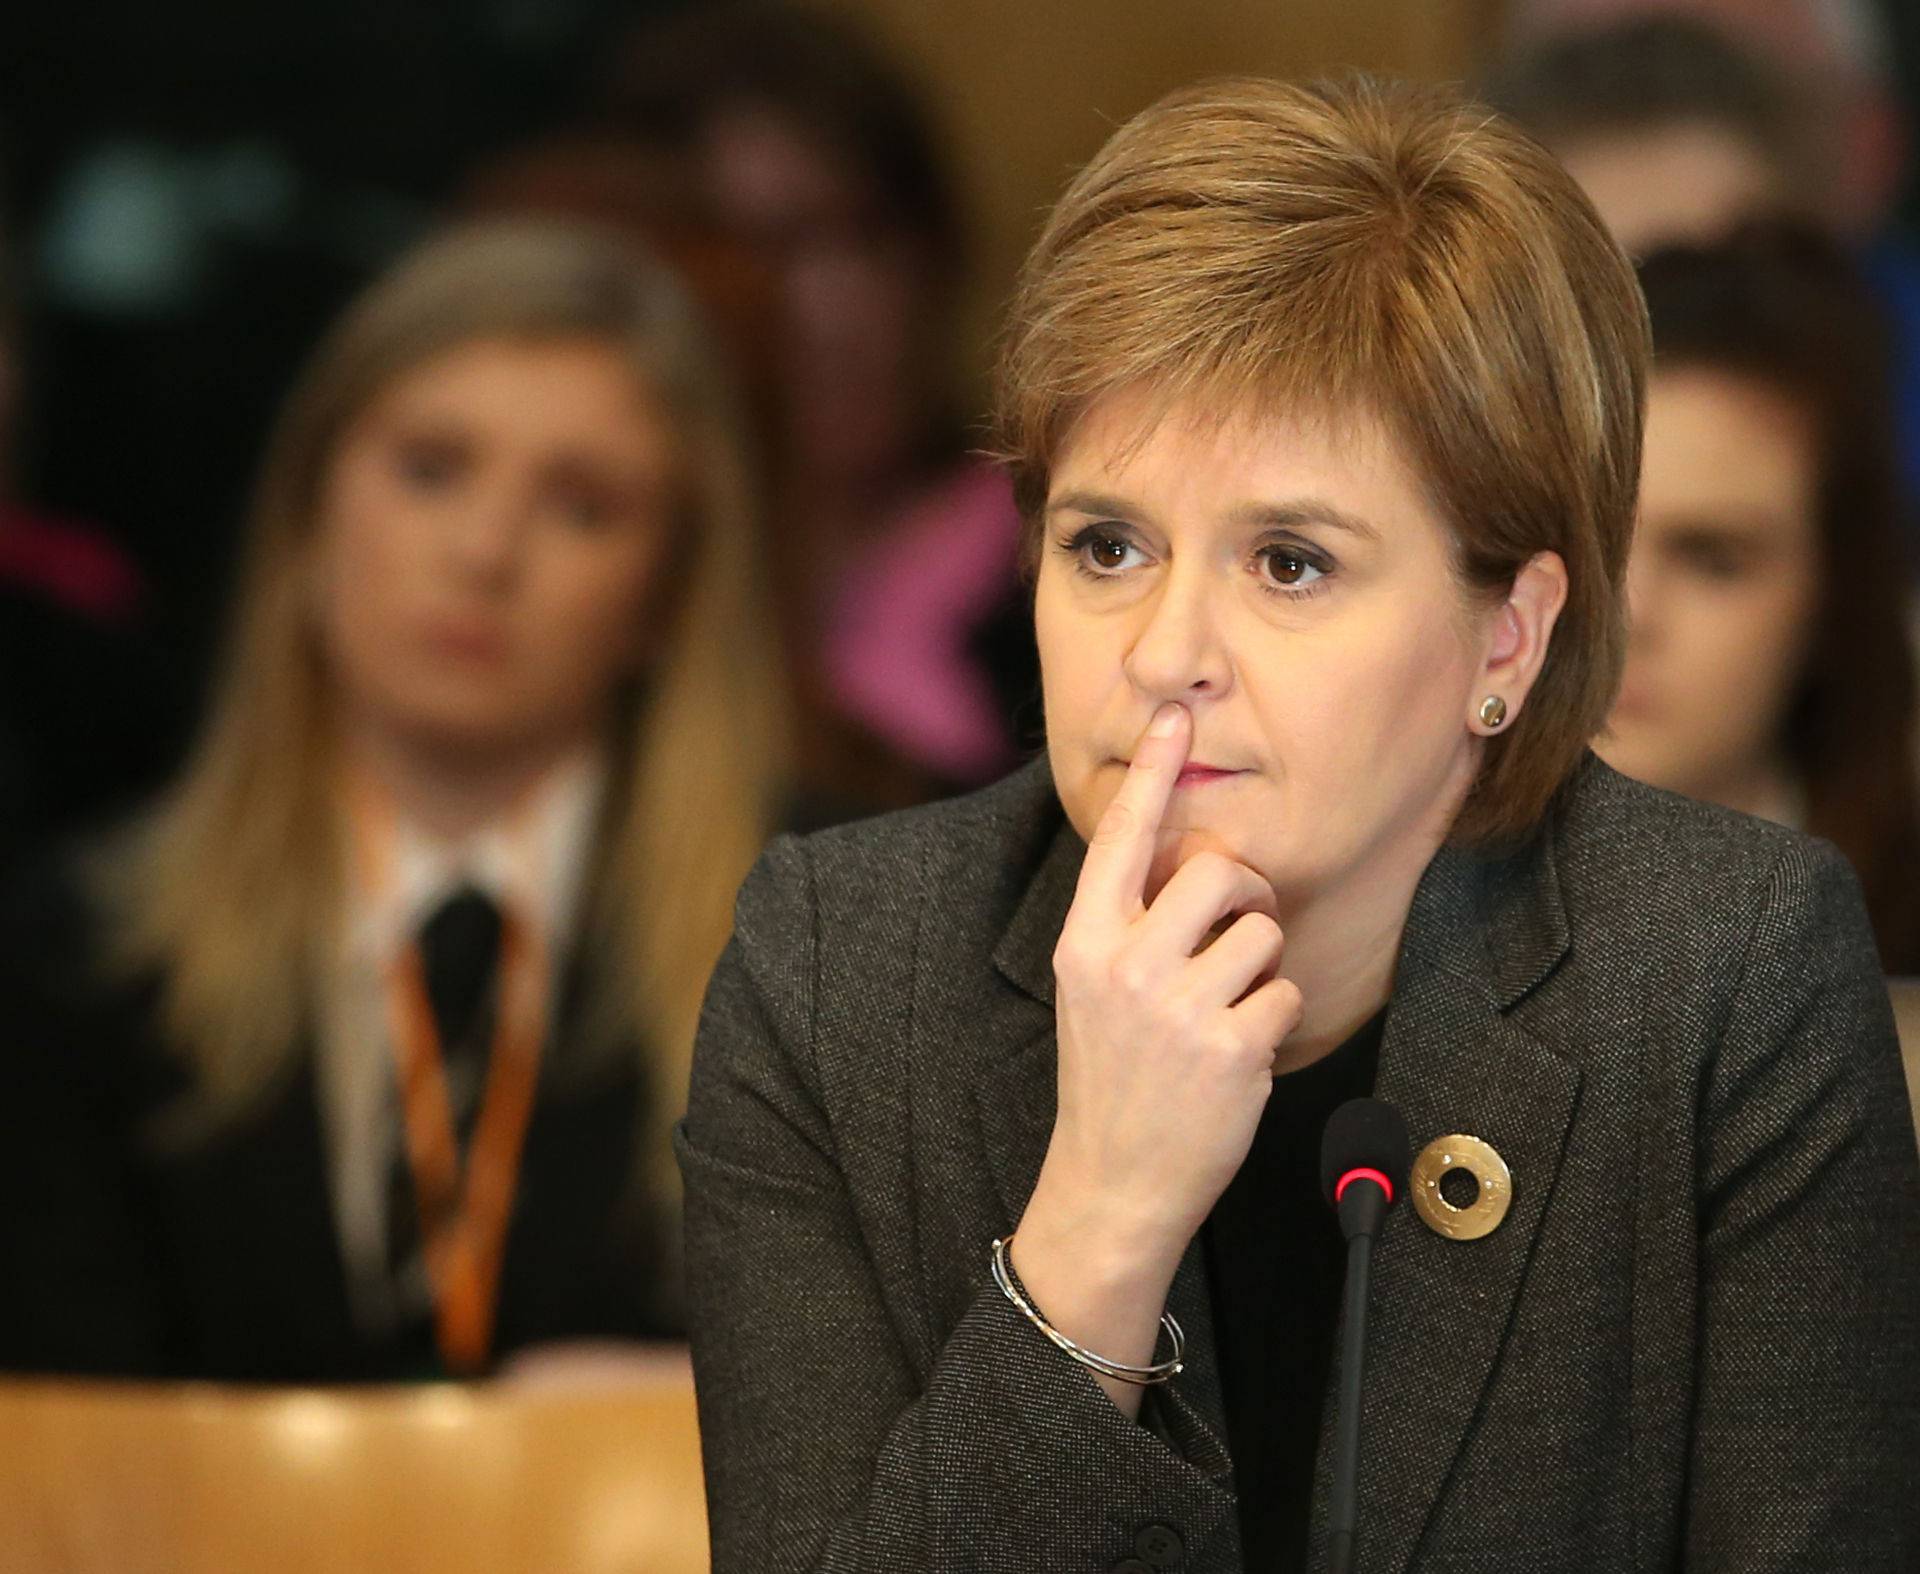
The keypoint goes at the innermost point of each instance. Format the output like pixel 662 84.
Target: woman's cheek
pixel 1755 630
pixel 602 605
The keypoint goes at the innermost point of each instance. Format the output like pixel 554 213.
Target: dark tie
pixel 460 954
pixel 460 958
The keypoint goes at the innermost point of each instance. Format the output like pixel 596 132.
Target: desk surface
pixel 131 1479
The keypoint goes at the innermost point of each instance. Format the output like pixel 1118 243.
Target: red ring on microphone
pixel 1351 1176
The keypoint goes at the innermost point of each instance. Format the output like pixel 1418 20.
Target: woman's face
pixel 490 527
pixel 1292 586
pixel 1724 584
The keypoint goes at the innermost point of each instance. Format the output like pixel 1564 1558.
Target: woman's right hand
pixel 1166 1051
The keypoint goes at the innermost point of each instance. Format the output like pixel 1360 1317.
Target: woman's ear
pixel 1517 641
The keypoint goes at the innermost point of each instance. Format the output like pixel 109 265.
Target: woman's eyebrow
pixel 1305 511
pixel 1292 513
pixel 1102 503
pixel 1757 526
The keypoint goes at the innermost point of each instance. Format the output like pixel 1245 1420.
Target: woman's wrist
pixel 1112 1252
pixel 1096 1273
pixel 1113 1240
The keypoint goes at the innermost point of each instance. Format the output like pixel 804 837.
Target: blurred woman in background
pixel 1771 665
pixel 1683 119
pixel 356 1058
pixel 907 621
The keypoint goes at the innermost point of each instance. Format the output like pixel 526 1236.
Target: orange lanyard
pixel 464 1211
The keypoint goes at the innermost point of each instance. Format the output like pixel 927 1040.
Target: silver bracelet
pixel 1120 1371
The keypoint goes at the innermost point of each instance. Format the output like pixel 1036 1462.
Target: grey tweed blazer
pixel 1694 1343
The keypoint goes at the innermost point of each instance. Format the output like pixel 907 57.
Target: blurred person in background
pixel 608 178
pixel 88 706
pixel 613 180
pixel 1770 665
pixel 1835 54
pixel 1683 117
pixel 906 617
pixel 356 1057
pixel 1674 130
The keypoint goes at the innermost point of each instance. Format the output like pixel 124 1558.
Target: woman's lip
pixel 1193 773
pixel 468 641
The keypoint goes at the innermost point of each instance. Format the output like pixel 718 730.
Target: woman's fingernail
pixel 1165 720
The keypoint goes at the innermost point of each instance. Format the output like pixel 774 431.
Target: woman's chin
pixel 1175 845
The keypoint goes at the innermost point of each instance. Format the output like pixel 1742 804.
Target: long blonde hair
pixel 229 889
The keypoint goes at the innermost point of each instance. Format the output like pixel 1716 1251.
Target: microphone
pixel 1364 1158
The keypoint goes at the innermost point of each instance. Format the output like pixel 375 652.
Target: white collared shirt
pixel 532 863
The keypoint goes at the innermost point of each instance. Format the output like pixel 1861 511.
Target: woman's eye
pixel 1715 560
pixel 428 466
pixel 1290 567
pixel 1100 553
pixel 585 510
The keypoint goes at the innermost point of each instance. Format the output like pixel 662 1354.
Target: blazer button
pixel 1159 1546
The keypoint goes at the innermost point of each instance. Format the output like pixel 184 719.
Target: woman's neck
pixel 1342 959
pixel 1767 790
pixel 1343 941
pixel 452 792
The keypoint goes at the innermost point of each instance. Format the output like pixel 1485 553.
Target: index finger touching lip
pixel 1121 851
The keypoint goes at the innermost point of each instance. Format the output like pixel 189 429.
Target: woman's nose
pixel 485 540
pixel 1179 653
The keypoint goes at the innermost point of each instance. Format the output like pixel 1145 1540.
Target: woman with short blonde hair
pixel 500 653
pixel 1437 274
pixel 1324 406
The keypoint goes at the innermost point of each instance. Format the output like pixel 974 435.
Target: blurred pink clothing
pixel 898 654
pixel 71 565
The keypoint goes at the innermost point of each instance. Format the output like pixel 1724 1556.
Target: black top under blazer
pixel 1694 1342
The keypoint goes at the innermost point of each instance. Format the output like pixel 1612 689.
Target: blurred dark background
pixel 187 193
pixel 192 191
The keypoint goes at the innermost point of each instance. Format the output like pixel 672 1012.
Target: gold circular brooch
pixel 1461 1187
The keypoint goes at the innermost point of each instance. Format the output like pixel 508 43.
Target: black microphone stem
pixel 1363 1167
pixel 1344 1509
pixel 1362 1209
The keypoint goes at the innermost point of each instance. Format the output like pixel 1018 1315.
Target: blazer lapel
pixel 1016 1098
pixel 1480 937
pixel 1016 1093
